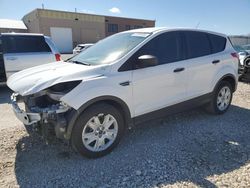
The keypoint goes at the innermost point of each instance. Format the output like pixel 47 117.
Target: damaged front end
pixel 44 111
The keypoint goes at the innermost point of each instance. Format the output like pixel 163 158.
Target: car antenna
pixel 197 25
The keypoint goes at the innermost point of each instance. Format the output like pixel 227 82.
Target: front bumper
pixel 44 118
pixel 25 118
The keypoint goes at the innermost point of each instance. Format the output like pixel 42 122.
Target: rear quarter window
pixel 25 44
pixel 218 43
pixel 197 43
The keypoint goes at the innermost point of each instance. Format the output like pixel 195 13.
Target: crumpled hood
pixel 33 80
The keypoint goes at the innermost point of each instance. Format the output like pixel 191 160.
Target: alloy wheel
pixel 100 132
pixel 224 98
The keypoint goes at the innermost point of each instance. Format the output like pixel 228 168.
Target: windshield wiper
pixel 79 62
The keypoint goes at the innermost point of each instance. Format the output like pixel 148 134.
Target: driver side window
pixel 166 47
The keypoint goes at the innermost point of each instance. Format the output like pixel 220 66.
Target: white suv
pixel 125 79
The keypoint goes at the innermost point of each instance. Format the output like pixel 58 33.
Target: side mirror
pixel 147 61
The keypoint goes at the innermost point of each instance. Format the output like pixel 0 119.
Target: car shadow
pixel 5 94
pixel 185 147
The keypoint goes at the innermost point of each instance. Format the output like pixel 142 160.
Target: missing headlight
pixel 59 90
pixel 64 87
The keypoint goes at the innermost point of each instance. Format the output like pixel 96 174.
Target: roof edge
pixel 40 9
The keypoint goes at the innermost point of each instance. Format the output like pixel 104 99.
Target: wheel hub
pixel 100 132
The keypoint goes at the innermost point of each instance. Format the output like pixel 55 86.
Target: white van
pixel 19 51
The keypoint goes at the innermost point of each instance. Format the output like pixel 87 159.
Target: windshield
pixel 110 49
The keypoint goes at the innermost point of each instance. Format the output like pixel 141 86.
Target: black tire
pixel 84 118
pixel 212 107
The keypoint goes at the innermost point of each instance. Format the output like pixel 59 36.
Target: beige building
pixel 240 40
pixel 118 24
pixel 67 29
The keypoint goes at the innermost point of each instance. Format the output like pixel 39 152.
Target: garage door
pixel 62 37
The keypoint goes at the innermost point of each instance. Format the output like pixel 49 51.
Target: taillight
pixel 58 57
pixel 235 55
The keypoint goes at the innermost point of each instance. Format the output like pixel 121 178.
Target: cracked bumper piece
pixel 25 118
pixel 45 117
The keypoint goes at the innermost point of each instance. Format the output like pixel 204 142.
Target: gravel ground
pixel 191 149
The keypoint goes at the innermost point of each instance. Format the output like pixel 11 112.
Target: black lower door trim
pixel 183 106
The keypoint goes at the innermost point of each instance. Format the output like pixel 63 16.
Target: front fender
pixel 97 87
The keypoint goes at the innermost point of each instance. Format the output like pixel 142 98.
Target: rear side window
pixel 165 47
pixel 218 43
pixel 24 44
pixel 197 44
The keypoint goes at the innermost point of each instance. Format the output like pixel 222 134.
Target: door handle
pixel 216 61
pixel 179 69
pixel 11 58
pixel 127 83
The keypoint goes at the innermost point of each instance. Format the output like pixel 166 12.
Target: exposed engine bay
pixel 44 111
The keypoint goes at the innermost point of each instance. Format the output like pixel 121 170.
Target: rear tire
pixel 221 99
pixel 98 130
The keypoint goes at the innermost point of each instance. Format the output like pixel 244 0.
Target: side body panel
pixel 202 73
pixel 157 87
pixel 102 86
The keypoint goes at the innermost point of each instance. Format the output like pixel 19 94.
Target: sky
pixel 231 17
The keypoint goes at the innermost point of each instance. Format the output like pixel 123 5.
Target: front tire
pixel 221 99
pixel 98 130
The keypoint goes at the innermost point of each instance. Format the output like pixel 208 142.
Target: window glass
pixel 197 44
pixel 137 27
pixel 23 44
pixel 127 27
pixel 218 43
pixel 110 49
pixel 113 28
pixel 165 47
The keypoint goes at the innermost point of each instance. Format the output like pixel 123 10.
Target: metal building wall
pixel 240 40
